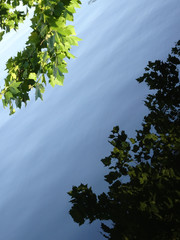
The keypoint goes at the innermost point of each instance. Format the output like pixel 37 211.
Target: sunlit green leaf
pixel 32 76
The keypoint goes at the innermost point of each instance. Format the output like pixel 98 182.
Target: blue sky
pixel 49 146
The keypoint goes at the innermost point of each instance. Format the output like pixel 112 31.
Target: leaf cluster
pixel 10 17
pixel 143 201
pixel 49 44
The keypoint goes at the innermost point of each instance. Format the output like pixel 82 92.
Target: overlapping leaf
pixel 43 58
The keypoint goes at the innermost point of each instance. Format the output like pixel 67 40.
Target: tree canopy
pixel 48 46
pixel 143 200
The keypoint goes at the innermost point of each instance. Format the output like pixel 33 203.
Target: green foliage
pixel 147 204
pixel 48 45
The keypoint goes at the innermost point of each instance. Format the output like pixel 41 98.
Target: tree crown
pixel 43 58
pixel 147 204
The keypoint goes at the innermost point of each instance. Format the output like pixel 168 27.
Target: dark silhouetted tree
pixel 146 205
